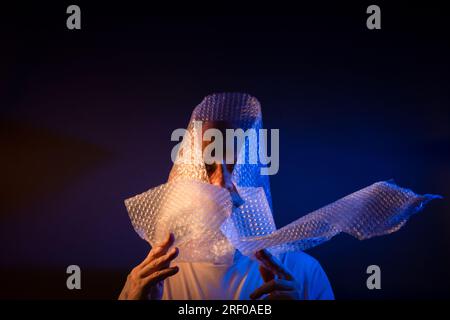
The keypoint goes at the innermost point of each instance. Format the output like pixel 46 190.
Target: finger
pixel 168 241
pixel 164 261
pixel 271 263
pixel 160 263
pixel 160 249
pixel 266 274
pixel 272 285
pixel 160 275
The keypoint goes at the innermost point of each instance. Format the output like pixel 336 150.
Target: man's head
pixel 224 144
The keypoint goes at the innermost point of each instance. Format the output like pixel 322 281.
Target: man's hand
pixel 279 284
pixel 145 281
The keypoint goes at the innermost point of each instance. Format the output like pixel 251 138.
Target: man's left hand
pixel 279 284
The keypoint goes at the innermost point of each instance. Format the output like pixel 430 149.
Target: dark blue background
pixel 86 119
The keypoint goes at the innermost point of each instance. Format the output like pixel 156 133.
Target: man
pixel 221 215
pixel 296 276
pixel 293 276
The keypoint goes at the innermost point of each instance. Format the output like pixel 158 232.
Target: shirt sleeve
pixel 318 286
pixel 310 274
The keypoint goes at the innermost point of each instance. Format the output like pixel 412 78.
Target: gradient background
pixel 86 119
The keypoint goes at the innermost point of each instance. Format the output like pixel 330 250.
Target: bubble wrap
pixel 208 228
pixel 242 111
pixel 379 209
pixel 193 211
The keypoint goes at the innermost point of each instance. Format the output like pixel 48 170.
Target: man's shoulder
pixel 308 270
pixel 300 260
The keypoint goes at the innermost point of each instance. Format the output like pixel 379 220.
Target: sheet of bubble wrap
pixel 379 209
pixel 193 211
pixel 240 110
pixel 206 226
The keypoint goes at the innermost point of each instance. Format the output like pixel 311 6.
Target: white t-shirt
pixel 236 281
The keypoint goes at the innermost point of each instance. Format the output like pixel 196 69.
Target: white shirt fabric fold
pixel 236 281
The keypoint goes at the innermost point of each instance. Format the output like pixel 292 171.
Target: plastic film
pixel 208 227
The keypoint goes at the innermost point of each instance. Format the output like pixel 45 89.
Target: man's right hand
pixel 145 281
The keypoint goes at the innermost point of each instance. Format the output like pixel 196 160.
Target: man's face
pixel 220 173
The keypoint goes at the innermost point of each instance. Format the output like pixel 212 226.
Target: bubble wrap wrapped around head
pixel 208 225
pixel 237 111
